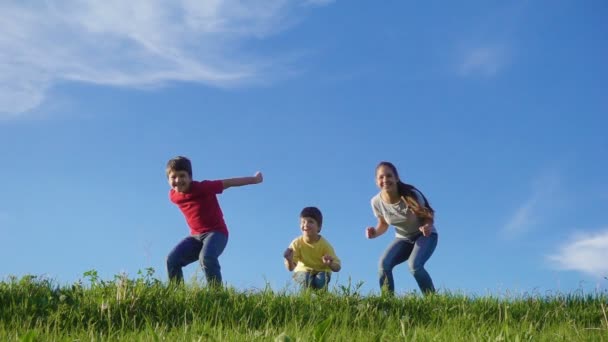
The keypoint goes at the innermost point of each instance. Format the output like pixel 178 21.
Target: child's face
pixel 386 179
pixel 179 180
pixel 309 227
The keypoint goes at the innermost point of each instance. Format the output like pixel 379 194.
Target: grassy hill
pixel 146 309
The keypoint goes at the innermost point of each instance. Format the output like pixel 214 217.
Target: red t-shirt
pixel 200 206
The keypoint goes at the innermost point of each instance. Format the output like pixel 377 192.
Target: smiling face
pixel 386 179
pixel 310 229
pixel 179 180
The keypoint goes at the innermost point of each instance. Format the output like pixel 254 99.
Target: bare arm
pixel 374 232
pixel 240 181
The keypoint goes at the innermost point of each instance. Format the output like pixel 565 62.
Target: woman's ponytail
pixel 424 211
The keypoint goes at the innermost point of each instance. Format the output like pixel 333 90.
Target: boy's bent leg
pixel 321 280
pixel 423 249
pixel 183 254
pixel 213 246
pixel 303 278
pixel 397 252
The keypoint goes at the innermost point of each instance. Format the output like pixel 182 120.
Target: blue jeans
pixel 315 280
pixel 204 247
pixel 416 251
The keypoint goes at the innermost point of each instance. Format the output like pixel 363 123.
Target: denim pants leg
pixel 396 253
pixel 422 251
pixel 184 253
pixel 321 280
pixel 302 278
pixel 213 246
pixel 315 280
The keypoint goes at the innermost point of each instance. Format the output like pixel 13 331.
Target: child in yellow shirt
pixel 311 256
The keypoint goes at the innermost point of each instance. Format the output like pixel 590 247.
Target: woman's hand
pixel 426 229
pixel 379 229
pixel 370 232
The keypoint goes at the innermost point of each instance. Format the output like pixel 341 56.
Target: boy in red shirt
pixel 208 231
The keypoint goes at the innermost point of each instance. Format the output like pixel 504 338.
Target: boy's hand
pixel 370 232
pixel 426 229
pixel 288 255
pixel 327 259
pixel 258 177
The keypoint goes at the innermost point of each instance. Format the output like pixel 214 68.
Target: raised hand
pixel 327 259
pixel 370 232
pixel 288 254
pixel 426 229
pixel 259 178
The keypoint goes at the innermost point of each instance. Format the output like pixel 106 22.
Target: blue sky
pixel 496 111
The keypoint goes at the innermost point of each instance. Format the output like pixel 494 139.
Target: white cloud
pixel 585 253
pixel 484 60
pixel 138 43
pixel 540 201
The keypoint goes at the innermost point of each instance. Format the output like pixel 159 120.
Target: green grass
pixel 146 309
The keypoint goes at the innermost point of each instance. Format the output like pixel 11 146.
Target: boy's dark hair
pixel 314 213
pixel 179 163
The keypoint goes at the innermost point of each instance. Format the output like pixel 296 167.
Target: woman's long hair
pixel 406 191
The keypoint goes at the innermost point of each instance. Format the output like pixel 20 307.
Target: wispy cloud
pixel 585 253
pixel 483 60
pixel 139 43
pixel 540 201
pixel 490 44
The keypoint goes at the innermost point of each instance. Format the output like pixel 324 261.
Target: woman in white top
pixel 405 208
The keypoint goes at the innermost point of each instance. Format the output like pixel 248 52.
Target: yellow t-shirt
pixel 309 257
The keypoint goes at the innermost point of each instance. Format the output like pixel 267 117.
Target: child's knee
pixel 210 262
pixel 321 280
pixel 172 260
pixel 385 265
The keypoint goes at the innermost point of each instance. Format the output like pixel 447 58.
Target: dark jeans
pixel 206 248
pixel 315 280
pixel 416 251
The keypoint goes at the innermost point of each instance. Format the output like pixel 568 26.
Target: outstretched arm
pixel 230 182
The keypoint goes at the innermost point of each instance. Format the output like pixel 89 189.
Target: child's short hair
pixel 314 213
pixel 179 163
